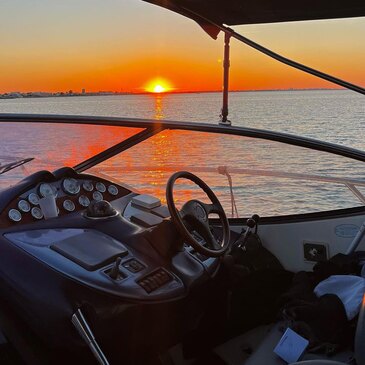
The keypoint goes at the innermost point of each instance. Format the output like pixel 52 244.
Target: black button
pixel 133 265
pixel 159 280
pixel 165 277
pixel 150 284
pixel 145 285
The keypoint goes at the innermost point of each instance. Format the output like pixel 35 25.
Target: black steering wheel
pixel 193 216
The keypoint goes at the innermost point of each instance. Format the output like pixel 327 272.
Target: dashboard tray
pixel 91 250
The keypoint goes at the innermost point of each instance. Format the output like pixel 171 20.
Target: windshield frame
pixel 152 127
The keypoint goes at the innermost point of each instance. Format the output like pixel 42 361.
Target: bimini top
pixel 214 15
pixel 235 12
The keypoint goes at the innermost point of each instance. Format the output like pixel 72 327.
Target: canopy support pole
pixel 230 32
pixel 226 63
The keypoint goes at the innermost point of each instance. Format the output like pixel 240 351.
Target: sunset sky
pixel 122 45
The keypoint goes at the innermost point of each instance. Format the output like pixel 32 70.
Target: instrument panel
pixel 71 194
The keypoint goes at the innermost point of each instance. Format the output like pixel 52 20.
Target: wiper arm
pixel 14 164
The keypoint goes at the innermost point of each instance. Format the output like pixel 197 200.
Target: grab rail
pixel 351 184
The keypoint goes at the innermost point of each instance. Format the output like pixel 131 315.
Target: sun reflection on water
pixel 159 107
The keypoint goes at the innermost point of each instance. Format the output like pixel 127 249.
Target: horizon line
pixel 115 92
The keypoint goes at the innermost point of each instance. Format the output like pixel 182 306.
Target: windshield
pixel 77 68
pixel 249 175
pixel 51 146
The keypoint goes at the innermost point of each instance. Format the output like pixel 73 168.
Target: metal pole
pixel 357 240
pixel 79 321
pixel 290 62
pixel 226 64
pixel 230 32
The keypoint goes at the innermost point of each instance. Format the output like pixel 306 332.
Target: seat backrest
pixel 360 336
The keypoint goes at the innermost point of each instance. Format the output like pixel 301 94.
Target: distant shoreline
pixel 34 95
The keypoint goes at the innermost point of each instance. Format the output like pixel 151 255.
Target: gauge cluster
pixel 71 194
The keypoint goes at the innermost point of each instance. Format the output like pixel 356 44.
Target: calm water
pixel 334 116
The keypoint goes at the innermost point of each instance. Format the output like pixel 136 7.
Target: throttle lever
pixel 251 223
pixel 256 218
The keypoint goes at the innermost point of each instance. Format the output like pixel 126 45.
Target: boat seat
pixel 262 341
pixel 264 353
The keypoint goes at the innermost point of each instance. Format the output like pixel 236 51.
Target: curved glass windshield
pixel 249 175
pixel 51 146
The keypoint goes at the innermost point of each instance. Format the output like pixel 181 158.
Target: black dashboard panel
pixel 118 254
pixel 91 251
pixel 131 278
pixel 39 244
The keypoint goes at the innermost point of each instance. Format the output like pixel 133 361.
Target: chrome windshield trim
pixel 192 126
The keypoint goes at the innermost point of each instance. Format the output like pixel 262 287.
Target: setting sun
pixel 159 89
pixel 158 86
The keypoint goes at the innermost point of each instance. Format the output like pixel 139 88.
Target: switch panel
pixel 155 280
pixel 133 266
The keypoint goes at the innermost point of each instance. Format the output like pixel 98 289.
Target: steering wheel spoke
pixel 202 228
pixel 214 243
pixel 211 208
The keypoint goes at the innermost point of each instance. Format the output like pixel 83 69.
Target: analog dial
pixel 88 186
pixel 69 205
pixel 46 190
pixel 97 195
pixel 14 215
pixel 71 186
pixel 24 206
pixel 84 201
pixel 33 198
pixel 37 213
pixel 100 187
pixel 113 190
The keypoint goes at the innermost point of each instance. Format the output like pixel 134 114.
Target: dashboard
pixel 131 254
pixel 72 194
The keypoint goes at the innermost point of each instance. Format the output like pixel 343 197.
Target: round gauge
pixel 84 200
pixel 71 186
pixel 14 215
pixel 33 198
pixel 97 195
pixel 100 187
pixel 37 213
pixel 113 190
pixel 24 206
pixel 88 185
pixel 69 205
pixel 46 190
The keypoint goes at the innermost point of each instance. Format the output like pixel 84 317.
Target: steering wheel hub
pixel 200 212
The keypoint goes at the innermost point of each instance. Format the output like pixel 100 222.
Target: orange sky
pixel 121 45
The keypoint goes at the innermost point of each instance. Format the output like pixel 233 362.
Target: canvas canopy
pixel 238 12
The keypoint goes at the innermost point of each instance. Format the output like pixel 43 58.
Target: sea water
pixel 335 116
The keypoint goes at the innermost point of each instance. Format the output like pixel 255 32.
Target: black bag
pixel 323 322
pixel 256 280
pixel 254 256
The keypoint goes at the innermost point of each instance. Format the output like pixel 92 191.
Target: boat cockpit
pixel 129 257
pixel 174 243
